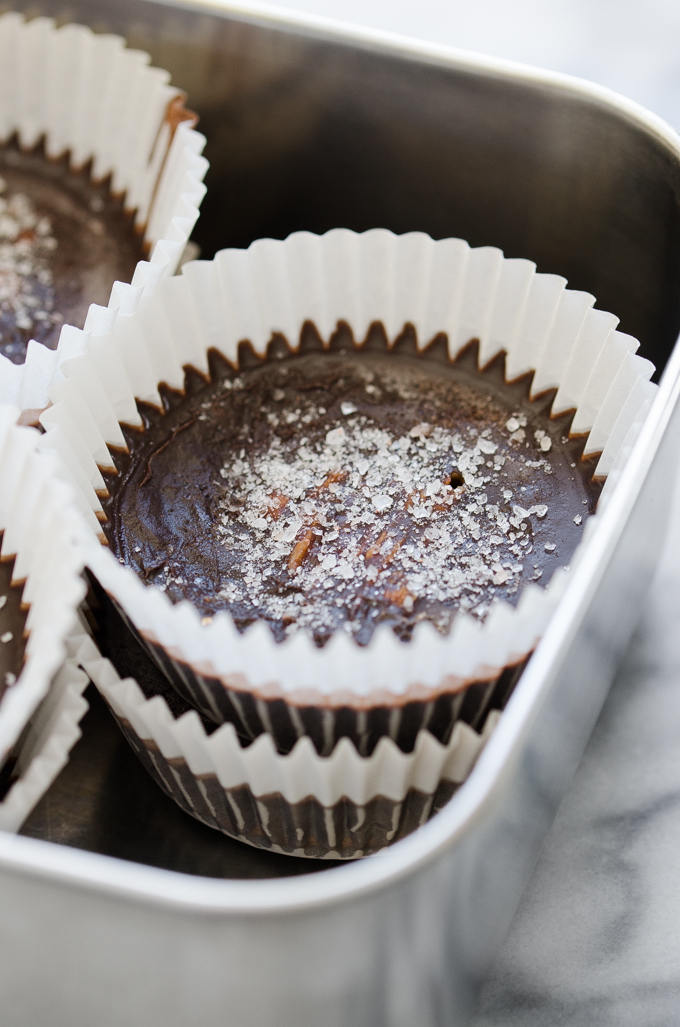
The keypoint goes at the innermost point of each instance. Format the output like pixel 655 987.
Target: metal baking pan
pixel 161 922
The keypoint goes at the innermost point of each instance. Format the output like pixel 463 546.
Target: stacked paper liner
pixel 40 528
pixel 389 687
pixel 338 807
pixel 89 96
pixel 47 740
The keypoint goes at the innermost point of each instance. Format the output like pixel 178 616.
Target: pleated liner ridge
pixel 292 688
pixel 302 804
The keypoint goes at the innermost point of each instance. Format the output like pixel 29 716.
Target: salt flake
pixel 382 502
pixel 335 437
pixel 488 447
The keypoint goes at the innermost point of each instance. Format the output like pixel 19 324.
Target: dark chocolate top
pixel 12 624
pixel 341 489
pixel 63 243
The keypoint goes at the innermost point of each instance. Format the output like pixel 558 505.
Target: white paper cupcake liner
pixel 339 807
pixel 44 747
pixel 90 96
pixel 293 688
pixel 40 528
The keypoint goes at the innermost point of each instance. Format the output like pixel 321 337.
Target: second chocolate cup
pixel 102 181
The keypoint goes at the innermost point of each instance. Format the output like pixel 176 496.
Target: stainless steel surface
pixel 308 130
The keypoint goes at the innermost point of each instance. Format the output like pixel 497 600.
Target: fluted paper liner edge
pixel 302 782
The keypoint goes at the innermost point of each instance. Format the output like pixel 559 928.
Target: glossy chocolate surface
pixel 342 489
pixel 64 240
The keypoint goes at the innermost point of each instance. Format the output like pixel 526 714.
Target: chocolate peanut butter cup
pixel 99 169
pixel 335 475
pixel 374 412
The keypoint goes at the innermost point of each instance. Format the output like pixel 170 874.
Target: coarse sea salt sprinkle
pixel 26 287
pixel 362 513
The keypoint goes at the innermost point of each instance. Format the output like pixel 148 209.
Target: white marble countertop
pixel 596 941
